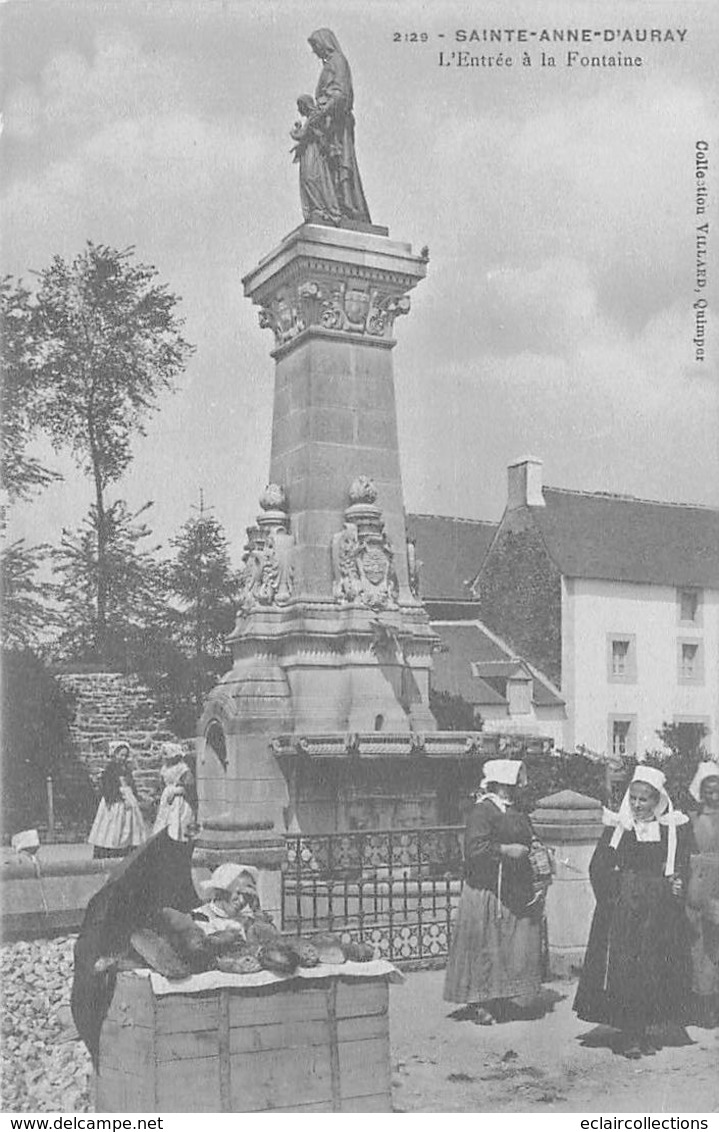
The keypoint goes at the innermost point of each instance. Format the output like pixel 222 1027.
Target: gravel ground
pixel 441 1065
pixel 45 1067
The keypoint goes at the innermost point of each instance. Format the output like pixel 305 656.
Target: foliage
pixel 683 751
pixel 454 713
pixel 520 594
pixel 134 590
pixel 22 394
pixel 35 736
pixel 204 587
pixel 25 613
pixel 110 343
pixel 105 342
pixel 550 773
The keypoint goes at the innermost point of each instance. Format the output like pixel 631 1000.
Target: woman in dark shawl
pixel 636 968
pixel 494 963
pixel 333 114
pixel 118 827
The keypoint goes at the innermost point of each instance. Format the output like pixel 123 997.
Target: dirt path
pixel 440 1065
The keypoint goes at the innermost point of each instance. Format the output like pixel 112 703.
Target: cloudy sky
pixel 558 206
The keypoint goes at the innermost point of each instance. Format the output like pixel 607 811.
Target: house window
pixel 622 735
pixel 519 697
pixel 689 606
pixel 690 662
pixel 621 658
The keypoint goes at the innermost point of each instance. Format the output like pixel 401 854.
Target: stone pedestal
pixel 570 825
pixel 330 638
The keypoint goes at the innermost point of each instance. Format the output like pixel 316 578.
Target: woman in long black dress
pixel 495 952
pixel 636 968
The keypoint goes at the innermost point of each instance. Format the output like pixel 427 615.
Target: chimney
pixel 524 483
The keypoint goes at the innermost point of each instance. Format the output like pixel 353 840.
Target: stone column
pixel 330 639
pixel 570 825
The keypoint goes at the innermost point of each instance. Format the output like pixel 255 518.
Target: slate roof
pixel 470 648
pixel 623 539
pixel 450 552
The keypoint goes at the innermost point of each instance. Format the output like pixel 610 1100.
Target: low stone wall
pixel 113 706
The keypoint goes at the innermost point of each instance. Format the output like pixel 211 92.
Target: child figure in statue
pixel 317 191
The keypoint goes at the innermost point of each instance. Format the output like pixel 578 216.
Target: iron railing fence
pixel 395 889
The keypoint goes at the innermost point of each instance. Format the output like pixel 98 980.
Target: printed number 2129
pixel 410 37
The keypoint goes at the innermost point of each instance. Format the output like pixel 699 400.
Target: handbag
pixel 541 863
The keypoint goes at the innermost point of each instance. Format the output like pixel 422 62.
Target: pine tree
pixel 204 587
pixel 135 608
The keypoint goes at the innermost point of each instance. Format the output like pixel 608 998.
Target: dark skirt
pixel 493 953
pixel 636 970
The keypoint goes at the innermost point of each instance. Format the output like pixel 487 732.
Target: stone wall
pixel 109 707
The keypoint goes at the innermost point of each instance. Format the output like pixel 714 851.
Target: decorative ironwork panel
pixel 394 889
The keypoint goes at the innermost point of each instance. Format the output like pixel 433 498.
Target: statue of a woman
pixel 333 117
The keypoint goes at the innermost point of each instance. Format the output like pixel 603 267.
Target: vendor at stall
pixel 232 899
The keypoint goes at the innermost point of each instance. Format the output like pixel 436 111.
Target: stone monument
pixel 323 723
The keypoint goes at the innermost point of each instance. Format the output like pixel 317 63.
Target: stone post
pixel 569 824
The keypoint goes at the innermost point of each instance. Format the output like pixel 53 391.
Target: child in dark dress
pixel 636 968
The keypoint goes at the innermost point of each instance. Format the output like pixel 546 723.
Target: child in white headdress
pixel 703 895
pixel 636 972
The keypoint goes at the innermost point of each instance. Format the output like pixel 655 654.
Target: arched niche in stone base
pixel 216 743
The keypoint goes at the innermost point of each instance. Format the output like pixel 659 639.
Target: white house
pixel 616 599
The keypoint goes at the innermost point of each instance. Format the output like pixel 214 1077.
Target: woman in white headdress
pixel 177 811
pixel 232 900
pixel 636 970
pixel 495 952
pixel 118 827
pixel 703 895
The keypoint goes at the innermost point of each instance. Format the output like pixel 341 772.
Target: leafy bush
pixel 550 773
pixel 35 737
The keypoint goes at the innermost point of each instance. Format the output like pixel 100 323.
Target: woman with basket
pixel 494 964
pixel 703 895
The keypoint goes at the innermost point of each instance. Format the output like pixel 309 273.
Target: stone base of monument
pixel 570 825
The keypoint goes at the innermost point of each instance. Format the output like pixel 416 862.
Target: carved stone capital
pixel 353 306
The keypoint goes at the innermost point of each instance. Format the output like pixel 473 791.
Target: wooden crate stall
pixel 319 1045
